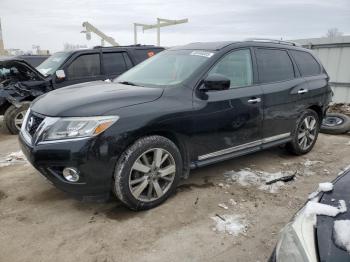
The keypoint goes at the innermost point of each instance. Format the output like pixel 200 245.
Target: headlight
pixel 78 127
pixel 297 240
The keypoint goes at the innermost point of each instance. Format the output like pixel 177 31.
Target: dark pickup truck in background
pixel 21 82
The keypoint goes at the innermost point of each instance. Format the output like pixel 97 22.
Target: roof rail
pixel 267 40
pixel 137 45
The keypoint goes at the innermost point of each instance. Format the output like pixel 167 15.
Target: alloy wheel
pixel 19 118
pixel 307 132
pixel 332 121
pixel 152 174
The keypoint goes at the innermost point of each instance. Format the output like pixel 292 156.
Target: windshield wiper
pixel 128 83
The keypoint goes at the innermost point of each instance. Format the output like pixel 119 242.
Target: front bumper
pixel 90 156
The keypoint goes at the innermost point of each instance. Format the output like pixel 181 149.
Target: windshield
pixel 166 68
pixel 50 65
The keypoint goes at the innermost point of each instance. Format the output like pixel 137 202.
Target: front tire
pixel 14 117
pixel 148 172
pixel 305 133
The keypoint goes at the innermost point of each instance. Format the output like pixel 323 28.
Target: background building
pixel 334 53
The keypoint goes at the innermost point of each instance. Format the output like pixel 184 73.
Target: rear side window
pixel 114 63
pixel 307 64
pixel 142 54
pixel 274 65
pixel 84 66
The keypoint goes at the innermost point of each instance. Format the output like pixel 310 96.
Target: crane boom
pixel 90 28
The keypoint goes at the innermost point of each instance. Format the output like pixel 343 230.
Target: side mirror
pixel 216 82
pixel 60 75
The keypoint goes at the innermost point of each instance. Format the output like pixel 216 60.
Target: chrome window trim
pixel 244 146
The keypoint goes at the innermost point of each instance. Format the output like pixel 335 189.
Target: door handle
pixel 254 100
pixel 303 91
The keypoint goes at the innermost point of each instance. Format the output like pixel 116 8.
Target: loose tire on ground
pixel 335 124
pixel 307 127
pixel 14 115
pixel 144 165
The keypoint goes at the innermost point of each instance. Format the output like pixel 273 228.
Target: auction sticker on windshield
pixel 202 53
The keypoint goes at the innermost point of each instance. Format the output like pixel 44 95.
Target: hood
pixel 18 70
pixel 328 251
pixel 93 99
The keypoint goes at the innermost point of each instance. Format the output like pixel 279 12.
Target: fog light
pixel 71 174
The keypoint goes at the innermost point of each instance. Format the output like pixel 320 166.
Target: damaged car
pixel 320 231
pixel 21 83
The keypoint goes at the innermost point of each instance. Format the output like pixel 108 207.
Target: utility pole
pixel 160 23
pixel 2 48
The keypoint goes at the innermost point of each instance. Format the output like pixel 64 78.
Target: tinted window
pixel 143 54
pixel 237 66
pixel 308 66
pixel 127 60
pixel 274 65
pixel 84 66
pixel 114 63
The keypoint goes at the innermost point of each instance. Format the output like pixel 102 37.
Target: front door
pixel 228 120
pixel 83 68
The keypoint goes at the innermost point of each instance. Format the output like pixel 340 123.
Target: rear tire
pixel 305 133
pixel 147 173
pixel 14 117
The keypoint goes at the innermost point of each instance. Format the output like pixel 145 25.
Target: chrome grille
pixel 33 122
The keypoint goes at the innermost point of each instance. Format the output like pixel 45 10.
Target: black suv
pixel 184 108
pixel 21 83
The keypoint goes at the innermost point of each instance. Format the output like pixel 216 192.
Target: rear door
pixel 280 83
pixel 316 78
pixel 229 120
pixel 114 64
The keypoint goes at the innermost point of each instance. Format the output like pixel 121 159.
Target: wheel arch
pixel 318 110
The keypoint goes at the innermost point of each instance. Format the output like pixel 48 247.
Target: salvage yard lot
pixel 40 223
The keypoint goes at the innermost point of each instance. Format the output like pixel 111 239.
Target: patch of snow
pixel 223 206
pixel 248 177
pixel 230 224
pixel 309 173
pixel 13 158
pixel 342 234
pixel 315 208
pixel 325 187
pixel 309 163
pixel 342 206
pixel 232 202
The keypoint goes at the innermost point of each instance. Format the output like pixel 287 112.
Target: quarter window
pixel 114 63
pixel 236 66
pixel 84 66
pixel 308 66
pixel 274 65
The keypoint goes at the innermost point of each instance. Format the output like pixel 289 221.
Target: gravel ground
pixel 40 223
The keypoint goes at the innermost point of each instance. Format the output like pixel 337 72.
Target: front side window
pixel 52 63
pixel 274 65
pixel 166 68
pixel 236 66
pixel 84 66
pixel 114 63
pixel 307 64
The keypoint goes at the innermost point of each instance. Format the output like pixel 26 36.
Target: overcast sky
pixel 51 23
